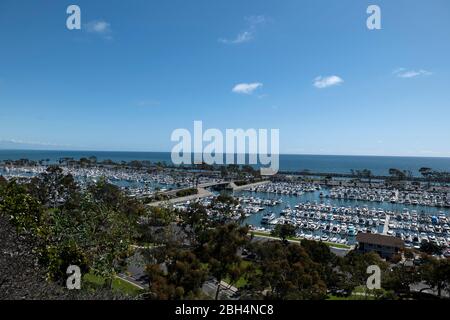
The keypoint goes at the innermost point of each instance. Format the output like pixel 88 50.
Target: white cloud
pixel 249 33
pixel 246 88
pixel 242 37
pixel 325 82
pixel 407 74
pixel 35 143
pixel 99 27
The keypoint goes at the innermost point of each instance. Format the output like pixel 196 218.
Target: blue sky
pixel 140 69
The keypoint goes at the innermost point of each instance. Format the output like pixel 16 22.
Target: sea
pixel 379 165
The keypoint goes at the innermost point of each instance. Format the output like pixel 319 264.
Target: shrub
pixel 186 192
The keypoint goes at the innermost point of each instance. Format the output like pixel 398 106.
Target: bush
pixel 284 231
pixel 186 192
pixel 430 248
pixel 227 199
pixel 396 258
pixel 59 258
pixel 156 197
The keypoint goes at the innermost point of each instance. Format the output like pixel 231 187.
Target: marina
pixel 380 195
pixel 335 214
pixel 320 215
pixel 137 183
pixel 333 219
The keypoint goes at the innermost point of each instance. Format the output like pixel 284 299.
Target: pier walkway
pixel 386 225
pixel 251 185
pixel 202 193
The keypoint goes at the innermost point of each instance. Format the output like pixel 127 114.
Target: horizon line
pixel 284 154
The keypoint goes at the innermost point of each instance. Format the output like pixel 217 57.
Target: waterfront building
pixel 385 246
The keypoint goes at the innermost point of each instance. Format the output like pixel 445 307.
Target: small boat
pixel 268 217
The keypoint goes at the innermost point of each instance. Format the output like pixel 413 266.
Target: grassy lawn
pixel 352 297
pixel 93 281
pixel 359 293
pixel 241 281
pixel 268 235
pixel 238 284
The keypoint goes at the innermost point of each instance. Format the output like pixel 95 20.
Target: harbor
pixel 135 182
pixel 318 216
pixel 319 211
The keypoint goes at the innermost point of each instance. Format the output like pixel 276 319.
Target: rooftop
pixel 379 239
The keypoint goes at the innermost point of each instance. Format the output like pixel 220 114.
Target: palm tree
pixel 426 173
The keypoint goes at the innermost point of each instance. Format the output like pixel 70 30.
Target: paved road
pixel 420 286
pixel 341 252
pixel 226 292
pixel 136 270
pixel 132 281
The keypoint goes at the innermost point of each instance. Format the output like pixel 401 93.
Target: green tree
pixel 105 193
pixel 195 223
pixel 109 234
pixel 183 278
pixel 399 280
pixel 58 257
pixel 354 268
pixel 226 198
pixel 366 173
pixel 397 174
pixel 220 252
pixel 327 262
pixel 23 210
pixel 435 273
pixel 284 231
pixel 430 248
pixel 95 231
pixel 53 188
pixel 427 174
pixel 288 273
pixel 3 181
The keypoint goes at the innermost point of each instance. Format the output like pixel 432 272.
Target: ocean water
pixel 379 165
